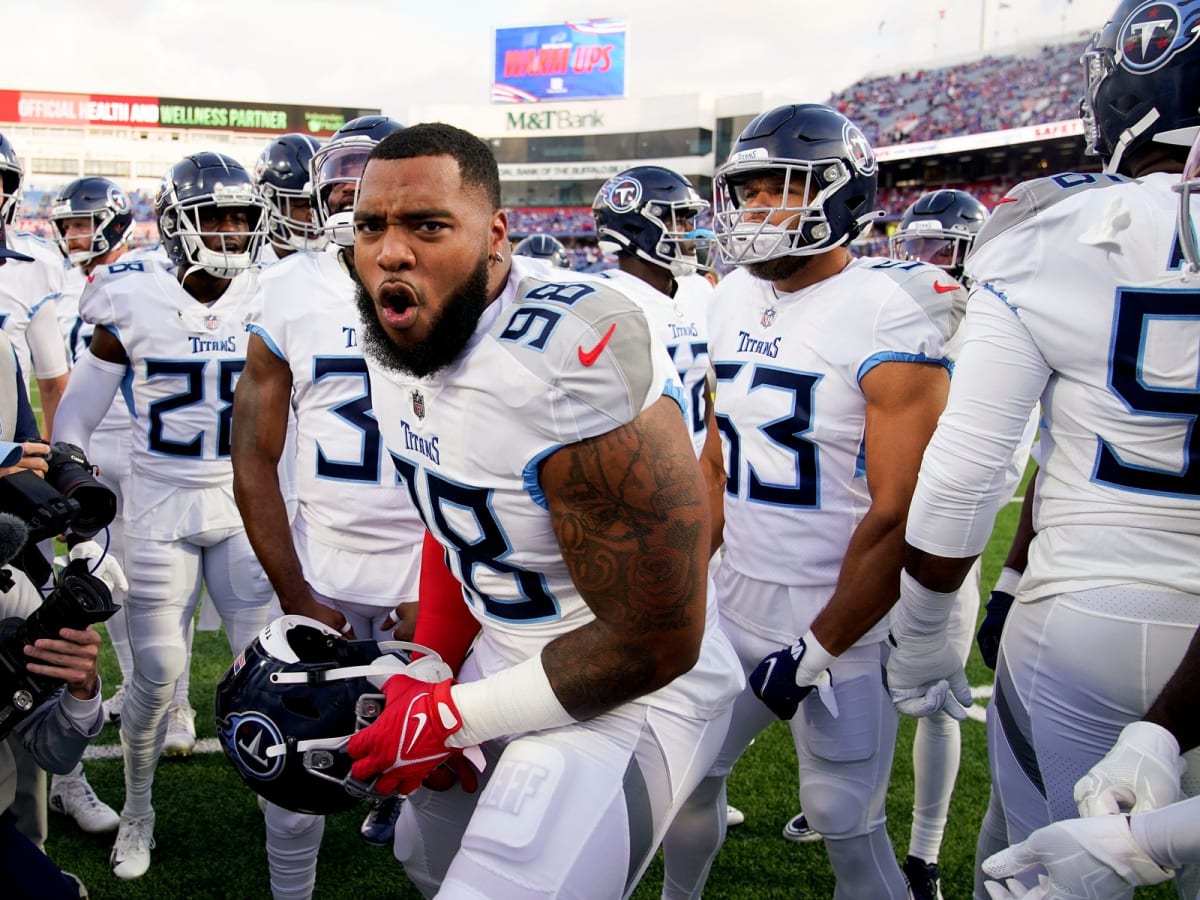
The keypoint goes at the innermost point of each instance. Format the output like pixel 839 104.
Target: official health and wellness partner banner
pixel 566 61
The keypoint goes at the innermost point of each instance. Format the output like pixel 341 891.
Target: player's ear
pixel 498 234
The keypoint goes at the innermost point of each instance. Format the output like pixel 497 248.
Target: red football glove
pixel 408 740
pixel 455 770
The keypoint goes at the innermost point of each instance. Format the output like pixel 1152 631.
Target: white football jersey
pixel 77 335
pixel 185 357
pixel 1091 267
pixel 558 358
pixel 346 485
pixel 681 323
pixel 791 411
pixel 29 292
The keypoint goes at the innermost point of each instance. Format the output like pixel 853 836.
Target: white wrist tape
pixel 1009 581
pixel 816 660
pixel 513 701
pixel 921 612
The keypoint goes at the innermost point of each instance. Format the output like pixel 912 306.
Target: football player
pixel 283 177
pixel 304 355
pixel 1106 852
pixel 939 228
pixel 180 332
pixel 93 219
pixel 830 375
pixel 1078 301
pixel 28 293
pixel 544 246
pixel 598 689
pixel 646 217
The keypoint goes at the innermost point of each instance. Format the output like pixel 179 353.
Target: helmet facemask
pixel 746 234
pixel 98 244
pixel 929 242
pixel 293 225
pixel 1098 63
pixel 680 241
pixel 339 162
pixel 181 222
pixel 11 177
pixel 1189 196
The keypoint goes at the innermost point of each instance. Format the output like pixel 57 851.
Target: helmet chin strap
pixel 1128 136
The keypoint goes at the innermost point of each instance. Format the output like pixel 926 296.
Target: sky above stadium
pixel 393 53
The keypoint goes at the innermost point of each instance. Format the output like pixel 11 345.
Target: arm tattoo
pixel 630 513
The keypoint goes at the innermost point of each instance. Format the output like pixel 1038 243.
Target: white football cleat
pixel 181 730
pixel 798 831
pixel 130 856
pixel 114 704
pixel 71 795
pixel 733 816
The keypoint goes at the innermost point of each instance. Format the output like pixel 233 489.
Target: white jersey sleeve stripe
pixel 887 356
pixel 271 345
pixel 533 485
pixel 44 301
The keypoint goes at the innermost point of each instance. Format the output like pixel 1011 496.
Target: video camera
pixel 69 498
pixel 78 599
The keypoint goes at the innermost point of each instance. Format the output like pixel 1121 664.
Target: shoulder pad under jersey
pixel 1030 198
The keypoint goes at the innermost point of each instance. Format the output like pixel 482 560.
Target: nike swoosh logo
pixel 944 288
pixel 420 717
pixel 588 357
pixel 770 669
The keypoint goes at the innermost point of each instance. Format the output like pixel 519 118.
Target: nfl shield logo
pixel 418 402
pixel 210 322
pixel 768 317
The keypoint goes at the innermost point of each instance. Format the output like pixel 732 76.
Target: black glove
pixel 988 637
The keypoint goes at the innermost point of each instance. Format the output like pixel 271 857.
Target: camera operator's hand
pixel 34 459
pixel 103 565
pixel 72 658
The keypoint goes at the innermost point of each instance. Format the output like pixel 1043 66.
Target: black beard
pixel 779 269
pixel 448 333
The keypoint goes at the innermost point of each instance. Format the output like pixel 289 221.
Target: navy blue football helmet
pixel 340 162
pixel 292 700
pixel 283 178
pixel 193 187
pixel 1142 74
pixel 12 176
pixel 651 212
pixel 544 246
pixel 939 228
pixel 822 166
pixel 107 208
pixel 1189 199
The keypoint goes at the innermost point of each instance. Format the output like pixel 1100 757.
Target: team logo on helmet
pixel 624 195
pixel 418 404
pixel 246 737
pixel 117 200
pixel 1154 33
pixel 859 149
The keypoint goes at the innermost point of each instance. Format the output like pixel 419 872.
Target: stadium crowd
pixel 800 545
pixel 990 94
